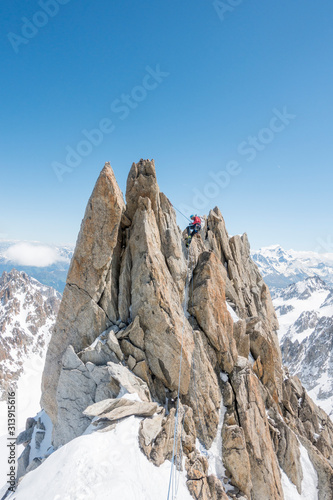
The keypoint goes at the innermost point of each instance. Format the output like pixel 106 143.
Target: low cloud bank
pixel 29 254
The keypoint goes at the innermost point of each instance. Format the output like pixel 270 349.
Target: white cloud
pixel 28 254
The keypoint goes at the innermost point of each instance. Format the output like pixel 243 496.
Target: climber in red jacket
pixel 193 228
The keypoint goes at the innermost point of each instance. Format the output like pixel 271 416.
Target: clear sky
pixel 233 100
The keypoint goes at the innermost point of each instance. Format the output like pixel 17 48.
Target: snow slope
pixel 27 314
pixel 98 466
pixel 309 483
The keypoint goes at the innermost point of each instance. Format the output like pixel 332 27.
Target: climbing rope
pixel 180 457
pixel 180 212
pixel 174 448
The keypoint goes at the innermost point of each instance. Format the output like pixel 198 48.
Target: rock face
pixel 88 304
pixel 135 301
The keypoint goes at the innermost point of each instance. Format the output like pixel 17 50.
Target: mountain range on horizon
pixel 278 266
pixel 281 267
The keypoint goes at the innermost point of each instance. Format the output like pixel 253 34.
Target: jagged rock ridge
pixel 120 329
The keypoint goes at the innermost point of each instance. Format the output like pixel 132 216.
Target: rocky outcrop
pixel 251 413
pixel 84 385
pixel 112 410
pixel 36 446
pixel 208 306
pixel 200 484
pixel 158 447
pixel 142 183
pixel 136 304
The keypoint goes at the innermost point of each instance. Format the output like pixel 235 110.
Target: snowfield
pixel 102 465
pixel 27 316
pixel 28 396
pixel 307 295
pixel 99 466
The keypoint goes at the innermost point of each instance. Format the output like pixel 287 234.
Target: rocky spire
pixel 122 320
pixel 84 311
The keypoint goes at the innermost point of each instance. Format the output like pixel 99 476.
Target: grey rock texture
pixel 121 408
pixel 31 437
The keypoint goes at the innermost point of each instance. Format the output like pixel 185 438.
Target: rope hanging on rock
pixel 171 479
pixel 181 212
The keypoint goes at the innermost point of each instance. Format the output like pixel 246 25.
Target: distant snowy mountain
pixel 305 314
pixel 47 264
pixel 281 267
pixel 301 285
pixel 28 311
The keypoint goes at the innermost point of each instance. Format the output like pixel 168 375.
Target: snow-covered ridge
pixel 281 267
pixel 93 465
pixel 305 314
pixel 301 285
pixel 27 313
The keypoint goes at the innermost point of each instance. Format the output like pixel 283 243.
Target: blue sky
pixel 243 95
